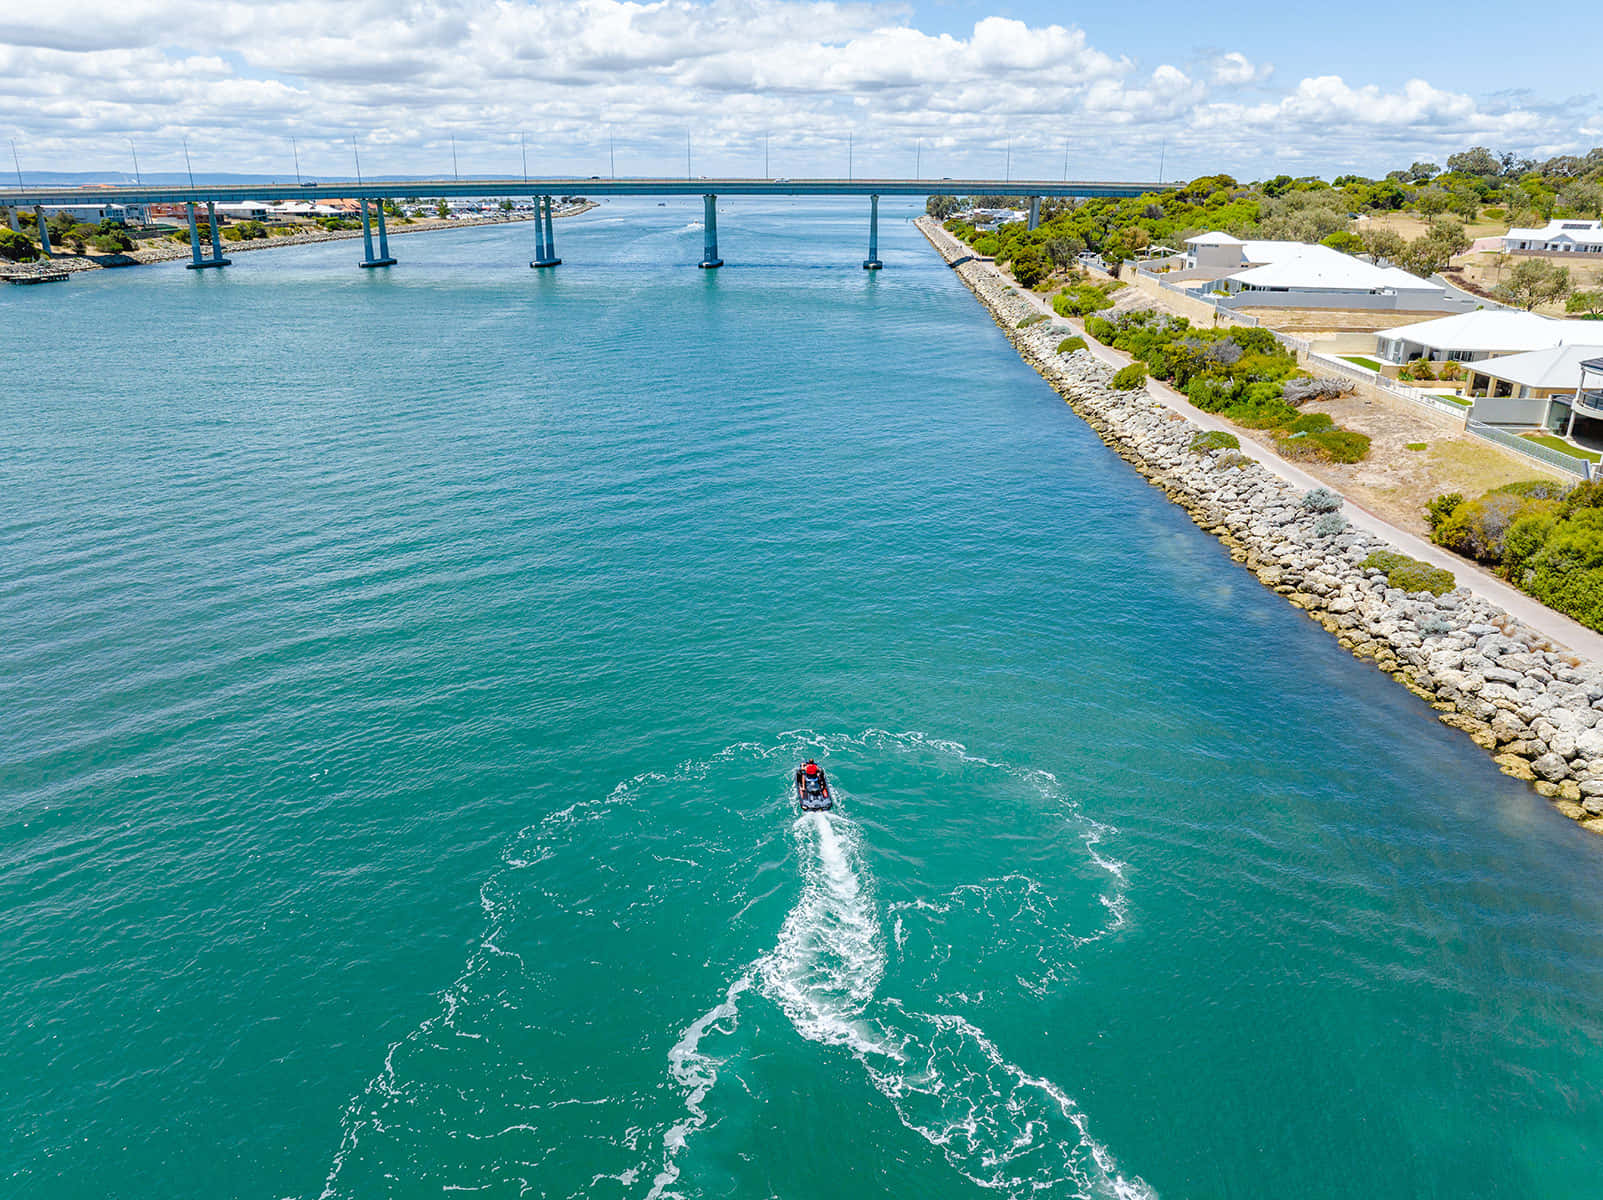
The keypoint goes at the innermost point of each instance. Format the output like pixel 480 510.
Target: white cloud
pixel 403 75
pixel 1236 70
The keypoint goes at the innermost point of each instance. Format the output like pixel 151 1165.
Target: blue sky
pixel 1252 89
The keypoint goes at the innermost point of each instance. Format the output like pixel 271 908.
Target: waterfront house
pixel 1521 389
pixel 1479 335
pixel 1562 235
pixel 1256 273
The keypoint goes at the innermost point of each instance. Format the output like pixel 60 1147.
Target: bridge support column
pixel 44 232
pixel 197 261
pixel 383 234
pixel 1035 212
pixel 545 238
pixel 383 260
pixel 217 259
pixel 709 235
pixel 11 218
pixel 872 263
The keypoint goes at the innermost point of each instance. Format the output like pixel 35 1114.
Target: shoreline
pixel 161 250
pixel 1522 685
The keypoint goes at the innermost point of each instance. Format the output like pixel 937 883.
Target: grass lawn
pixel 1563 447
pixel 1455 398
pixel 1368 363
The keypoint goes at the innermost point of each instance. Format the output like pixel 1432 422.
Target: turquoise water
pixel 401 672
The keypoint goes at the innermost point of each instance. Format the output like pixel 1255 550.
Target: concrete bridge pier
pixel 709 235
pixel 384 259
pixel 383 235
pixel 11 219
pixel 1035 212
pixel 545 238
pixel 44 232
pixel 872 263
pixel 196 262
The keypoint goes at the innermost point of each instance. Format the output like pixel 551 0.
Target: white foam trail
pixel 997 1125
pixel 697 1074
pixel 830 956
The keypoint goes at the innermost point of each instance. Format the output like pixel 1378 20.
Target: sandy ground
pixel 1411 226
pixel 1304 321
pixel 1481 270
pixel 1396 482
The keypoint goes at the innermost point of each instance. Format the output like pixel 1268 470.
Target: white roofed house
pixel 1562 235
pixel 1248 273
pixel 1479 335
pixel 1535 388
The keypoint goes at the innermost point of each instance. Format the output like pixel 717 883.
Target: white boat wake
pixel 996 1124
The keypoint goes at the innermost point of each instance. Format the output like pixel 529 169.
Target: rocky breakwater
pixel 1534 706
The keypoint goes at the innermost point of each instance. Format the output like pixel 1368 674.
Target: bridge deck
pixel 376 189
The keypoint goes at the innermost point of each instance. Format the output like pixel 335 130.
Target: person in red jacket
pixel 810 780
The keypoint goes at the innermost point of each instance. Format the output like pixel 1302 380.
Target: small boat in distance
pixel 812 789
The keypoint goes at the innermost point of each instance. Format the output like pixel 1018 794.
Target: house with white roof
pixel 1562 235
pixel 1249 273
pixel 1479 335
pixel 1520 389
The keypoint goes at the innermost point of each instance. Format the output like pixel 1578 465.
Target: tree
pixel 1030 266
pixel 1383 245
pixel 442 209
pixel 1477 160
pixel 1344 240
pixel 942 207
pixel 1590 303
pixel 1432 202
pixel 1423 172
pixel 1064 249
pixel 1584 198
pixel 1565 166
pixel 1534 281
pixel 1431 253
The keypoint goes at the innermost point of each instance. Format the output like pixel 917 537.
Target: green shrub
pixel 1031 321
pixel 1260 406
pixel 1101 329
pixel 1312 423
pixel 1131 377
pixel 1566 572
pixel 1231 458
pixel 1536 489
pixel 1413 445
pixel 1321 500
pixel 987 245
pixel 1476 528
pixel 1218 439
pixel 17 247
pixel 1080 301
pixel 1444 506
pixel 1409 574
pixel 1331 445
pixel 1330 524
pixel 1070 344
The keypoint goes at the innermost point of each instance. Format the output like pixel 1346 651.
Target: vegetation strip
pixel 1537 708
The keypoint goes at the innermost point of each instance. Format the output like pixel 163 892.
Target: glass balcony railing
pixel 1590 402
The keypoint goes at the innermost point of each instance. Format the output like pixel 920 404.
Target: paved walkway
pixel 1517 604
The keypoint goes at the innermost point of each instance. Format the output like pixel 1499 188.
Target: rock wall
pixel 1537 708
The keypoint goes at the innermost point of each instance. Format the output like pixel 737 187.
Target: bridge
pixel 372 193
